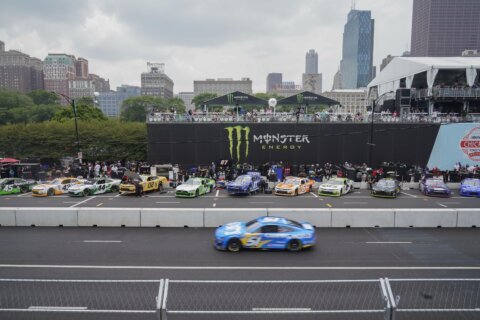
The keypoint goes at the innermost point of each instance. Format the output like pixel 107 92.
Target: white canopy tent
pixel 407 67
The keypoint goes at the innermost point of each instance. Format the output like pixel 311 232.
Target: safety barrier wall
pixel 213 217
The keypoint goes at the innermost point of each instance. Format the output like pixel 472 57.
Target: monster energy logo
pixel 299 98
pixel 237 142
pixel 230 98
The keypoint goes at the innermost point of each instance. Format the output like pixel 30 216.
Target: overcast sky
pixel 199 39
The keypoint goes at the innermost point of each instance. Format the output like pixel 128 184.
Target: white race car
pixel 335 187
pixel 93 187
pixel 55 187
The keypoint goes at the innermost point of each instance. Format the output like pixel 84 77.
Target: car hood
pixel 236 185
pixel 330 186
pixel 230 229
pixel 285 186
pixel 45 186
pixel 77 188
pixel 377 188
pixel 184 187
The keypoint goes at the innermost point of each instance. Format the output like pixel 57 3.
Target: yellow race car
pixel 147 183
pixel 293 186
pixel 55 187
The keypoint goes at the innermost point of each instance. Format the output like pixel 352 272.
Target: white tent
pixel 407 67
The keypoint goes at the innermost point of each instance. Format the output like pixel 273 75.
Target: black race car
pixel 386 188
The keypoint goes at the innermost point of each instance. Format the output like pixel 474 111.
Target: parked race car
pixel 147 183
pixel 195 187
pixel 293 186
pixel 245 184
pixel 434 187
pixel 470 187
pixel 386 188
pixel 335 187
pixel 15 185
pixel 93 187
pixel 265 233
pixel 55 187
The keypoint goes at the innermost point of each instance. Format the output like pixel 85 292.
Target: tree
pixel 85 111
pixel 199 99
pixel 178 104
pixel 40 97
pixel 136 108
pixel 12 99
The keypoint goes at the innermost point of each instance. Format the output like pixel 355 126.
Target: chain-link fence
pixel 201 299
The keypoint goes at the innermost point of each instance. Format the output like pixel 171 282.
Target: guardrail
pixel 214 217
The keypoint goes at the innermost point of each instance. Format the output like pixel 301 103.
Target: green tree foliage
pixel 85 111
pixel 266 96
pixel 199 99
pixel 99 140
pixel 42 97
pixel 136 108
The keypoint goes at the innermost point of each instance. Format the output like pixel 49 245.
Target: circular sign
pixel 470 144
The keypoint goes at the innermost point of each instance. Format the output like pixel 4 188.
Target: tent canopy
pixel 235 98
pixel 307 98
pixel 9 160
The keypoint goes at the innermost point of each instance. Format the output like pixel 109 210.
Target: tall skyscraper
pixel 110 102
pixel 273 81
pixel 311 62
pixel 357 59
pixel 445 28
pixel 155 82
pixel 59 69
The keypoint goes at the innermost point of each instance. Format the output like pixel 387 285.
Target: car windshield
pixel 435 183
pixel 254 226
pixel 386 183
pixel 472 183
pixel 242 179
pixel 56 181
pixel 193 182
pixel 294 223
pixel 336 182
pixel 292 181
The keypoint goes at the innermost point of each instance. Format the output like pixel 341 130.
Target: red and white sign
pixel 470 144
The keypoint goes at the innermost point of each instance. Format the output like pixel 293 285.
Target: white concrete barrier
pixel 153 217
pixel 468 218
pixel 321 218
pixel 425 218
pixel 108 217
pixel 7 217
pixel 215 217
pixel 363 218
pixel 46 217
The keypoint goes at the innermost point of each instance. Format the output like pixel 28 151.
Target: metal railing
pixel 163 299
pixel 447 92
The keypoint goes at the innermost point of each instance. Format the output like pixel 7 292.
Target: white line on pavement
pixel 214 205
pixel 56 308
pixel 442 205
pixel 216 194
pixel 81 202
pixel 167 202
pixel 69 201
pixel 355 202
pixel 102 241
pixel 388 242
pixel 313 194
pixel 281 309
pixel 237 267
pixel 408 194
pixel 260 202
pixel 24 194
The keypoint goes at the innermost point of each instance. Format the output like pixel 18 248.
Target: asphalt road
pixel 187 254
pixel 220 199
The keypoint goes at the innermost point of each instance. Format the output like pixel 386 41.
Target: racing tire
pixel 294 245
pixel 234 245
pixel 197 193
pixel 86 192
pixel 50 192
pixel 296 192
pixel 160 188
pixel 23 189
pixel 114 189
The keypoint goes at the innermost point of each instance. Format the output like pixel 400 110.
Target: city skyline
pixel 118 38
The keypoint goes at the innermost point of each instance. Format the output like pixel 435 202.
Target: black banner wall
pixel 189 144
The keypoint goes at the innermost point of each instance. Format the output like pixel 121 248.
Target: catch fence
pixel 203 299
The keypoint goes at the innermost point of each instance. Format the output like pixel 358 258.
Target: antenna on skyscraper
pixel 353 4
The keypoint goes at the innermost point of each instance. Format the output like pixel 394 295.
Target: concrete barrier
pixel 215 217
pixel 46 217
pixel 363 218
pixel 171 217
pixel 321 218
pixel 468 218
pixel 108 217
pixel 7 217
pixel 425 218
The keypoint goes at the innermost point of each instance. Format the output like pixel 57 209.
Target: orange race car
pixel 293 186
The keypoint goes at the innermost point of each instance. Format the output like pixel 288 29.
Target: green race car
pixel 15 185
pixel 94 187
pixel 195 187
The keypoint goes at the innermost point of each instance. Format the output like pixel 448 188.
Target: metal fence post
pixel 393 300
pixel 160 299
pixel 163 310
pixel 387 305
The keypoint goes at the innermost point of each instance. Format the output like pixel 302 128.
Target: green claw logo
pixel 237 142
pixel 230 98
pixel 299 98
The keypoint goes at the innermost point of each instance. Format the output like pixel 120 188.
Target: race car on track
pixel 55 187
pixel 93 187
pixel 265 233
pixel 245 184
pixel 470 187
pixel 15 185
pixel 434 187
pixel 195 187
pixel 147 183
pixel 335 187
pixel 293 186
pixel 386 188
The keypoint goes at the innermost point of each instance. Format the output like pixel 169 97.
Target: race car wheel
pixel 197 193
pixel 296 192
pixel 294 245
pixel 23 189
pixel 86 192
pixel 160 188
pixel 50 192
pixel 234 245
pixel 114 189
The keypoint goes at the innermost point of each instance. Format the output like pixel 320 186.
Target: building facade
pixel 357 57
pixel 273 80
pixel 59 69
pixel 110 102
pixel 222 86
pixel 287 88
pixel 155 82
pixel 311 62
pixel 19 71
pixel 445 28
pixel 351 101
pixel 100 84
pixel 187 98
pixel 312 82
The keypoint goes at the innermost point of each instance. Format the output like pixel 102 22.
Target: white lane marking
pixel 357 192
pixel 388 242
pixel 100 204
pixel 24 194
pixel 313 194
pixel 118 195
pixel 281 309
pixel 355 202
pixel 56 308
pixel 167 202
pixel 216 194
pixel 214 205
pixel 233 268
pixel 102 241
pixel 81 202
pixel 69 201
pixel 253 202
pixel 442 205
pixel 408 194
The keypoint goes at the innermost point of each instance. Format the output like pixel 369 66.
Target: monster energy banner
pixel 257 143
pixel 309 98
pixel 236 98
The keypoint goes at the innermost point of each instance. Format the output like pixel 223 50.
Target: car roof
pixel 275 220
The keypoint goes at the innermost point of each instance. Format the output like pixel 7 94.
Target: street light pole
pixel 74 107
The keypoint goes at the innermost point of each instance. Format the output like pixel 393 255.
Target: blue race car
pixel 265 233
pixel 245 184
pixel 434 188
pixel 470 187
